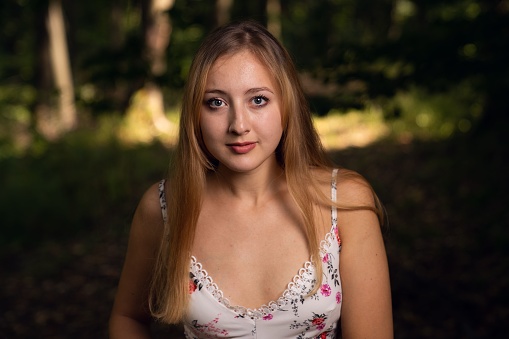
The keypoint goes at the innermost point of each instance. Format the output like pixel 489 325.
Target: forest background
pixel 410 93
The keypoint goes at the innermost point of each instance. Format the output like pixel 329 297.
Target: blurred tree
pixel 157 28
pixel 443 44
pixel 352 52
pixel 255 10
pixel 191 19
pixel 223 11
pixel 365 50
pixel 116 29
pixel 274 17
pixel 108 56
pixel 149 113
pixel 43 79
pixel 59 115
pixel 333 37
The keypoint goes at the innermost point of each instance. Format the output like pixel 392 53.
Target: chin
pixel 242 166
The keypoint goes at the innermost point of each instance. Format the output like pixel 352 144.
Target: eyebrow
pixel 259 89
pixel 214 91
pixel 249 91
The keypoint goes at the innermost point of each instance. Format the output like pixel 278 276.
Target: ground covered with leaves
pixel 448 240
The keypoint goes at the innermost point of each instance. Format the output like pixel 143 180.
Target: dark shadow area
pixel 447 240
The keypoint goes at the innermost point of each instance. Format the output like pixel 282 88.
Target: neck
pixel 253 187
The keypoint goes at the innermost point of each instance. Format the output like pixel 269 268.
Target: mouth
pixel 241 147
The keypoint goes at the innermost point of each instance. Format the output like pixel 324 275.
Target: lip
pixel 242 147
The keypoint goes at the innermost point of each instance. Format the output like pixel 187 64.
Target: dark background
pixel 437 70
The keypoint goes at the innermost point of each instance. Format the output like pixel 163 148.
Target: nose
pixel 239 121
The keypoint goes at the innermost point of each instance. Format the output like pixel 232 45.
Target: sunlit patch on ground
pixel 353 129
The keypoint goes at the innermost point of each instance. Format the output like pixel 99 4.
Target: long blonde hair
pixel 299 152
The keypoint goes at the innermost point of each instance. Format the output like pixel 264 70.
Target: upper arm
pixel 131 301
pixel 366 309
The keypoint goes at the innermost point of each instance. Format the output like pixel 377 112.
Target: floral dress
pixel 294 315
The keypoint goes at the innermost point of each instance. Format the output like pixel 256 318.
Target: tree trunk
pixel 223 11
pixel 274 17
pixel 61 68
pixel 157 31
pixel 117 36
pixel 146 118
pixel 43 107
pixel 257 10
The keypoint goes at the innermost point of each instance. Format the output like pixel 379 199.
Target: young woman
pixel 244 239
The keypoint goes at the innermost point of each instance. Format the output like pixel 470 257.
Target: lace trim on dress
pixel 294 289
pixel 301 284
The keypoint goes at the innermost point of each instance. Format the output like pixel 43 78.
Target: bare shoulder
pixel 150 205
pixel 131 306
pixel 353 189
pixel 323 177
pixel 366 310
pixel 148 219
pixel 359 211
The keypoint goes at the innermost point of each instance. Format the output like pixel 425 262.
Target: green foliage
pixel 369 49
pixel 191 21
pixel 15 101
pixel 73 186
pixel 17 41
pixel 389 47
pixel 425 115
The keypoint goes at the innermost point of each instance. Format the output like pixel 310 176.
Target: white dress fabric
pixel 294 315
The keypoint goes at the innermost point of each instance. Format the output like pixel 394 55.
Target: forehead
pixel 243 64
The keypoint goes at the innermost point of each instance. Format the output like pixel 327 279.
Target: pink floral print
pixel 336 233
pixel 325 290
pixel 210 328
pixel 338 297
pixel 192 286
pixel 319 321
pixel 267 317
pixel 194 283
pixel 297 313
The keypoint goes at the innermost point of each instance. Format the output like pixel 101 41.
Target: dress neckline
pixel 302 283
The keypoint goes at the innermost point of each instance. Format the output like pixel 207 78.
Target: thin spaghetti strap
pixel 333 184
pixel 162 200
pixel 334 209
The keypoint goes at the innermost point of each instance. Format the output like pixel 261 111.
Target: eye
pixel 260 100
pixel 215 103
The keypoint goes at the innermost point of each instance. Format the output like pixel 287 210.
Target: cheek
pixel 276 125
pixel 207 144
pixel 210 131
pixel 205 135
pixel 278 134
pixel 204 132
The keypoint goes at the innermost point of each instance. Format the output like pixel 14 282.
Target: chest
pixel 253 255
pixel 294 314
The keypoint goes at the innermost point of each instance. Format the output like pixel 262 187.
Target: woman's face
pixel 240 115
